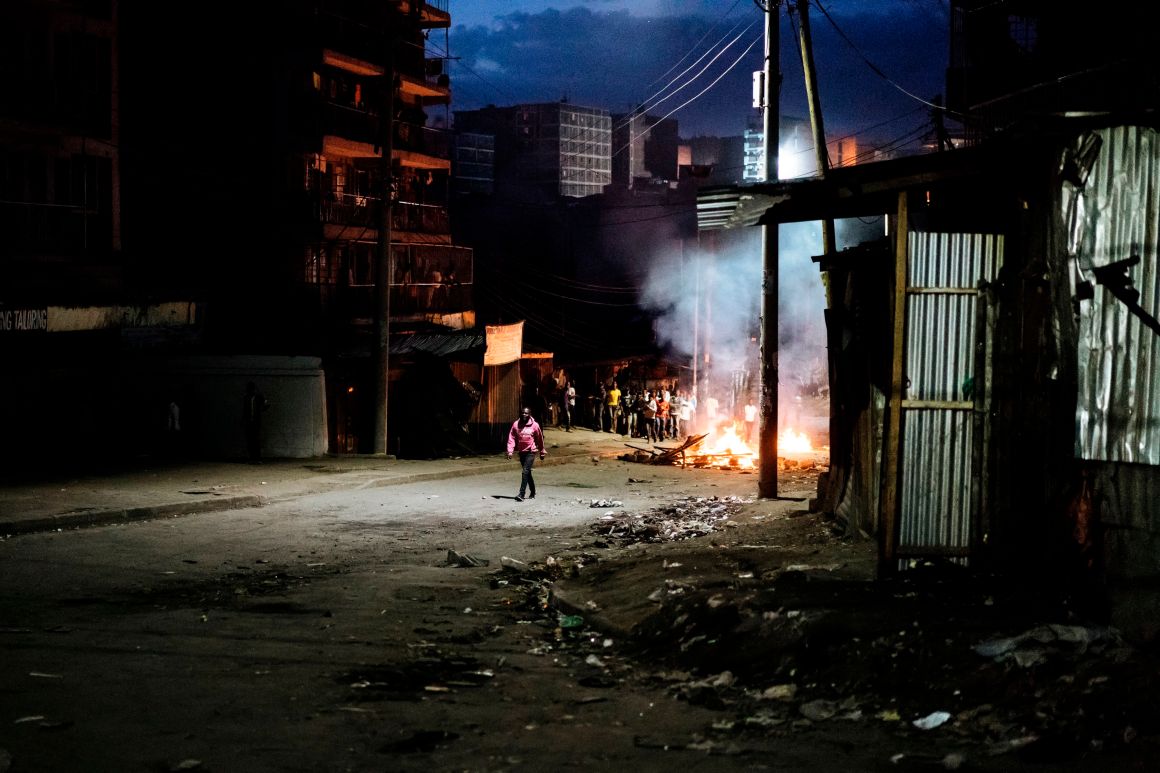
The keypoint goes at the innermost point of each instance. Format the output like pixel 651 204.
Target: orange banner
pixel 505 343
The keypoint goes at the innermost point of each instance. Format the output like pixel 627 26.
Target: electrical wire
pixel 694 48
pixel 645 107
pixel 874 68
pixel 714 83
pixel 510 279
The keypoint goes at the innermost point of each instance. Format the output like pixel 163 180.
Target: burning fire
pixel 727 449
pixel 793 442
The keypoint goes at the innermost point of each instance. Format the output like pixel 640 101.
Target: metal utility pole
pixel 767 450
pixel 383 254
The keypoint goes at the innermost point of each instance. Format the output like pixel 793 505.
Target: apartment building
pixel 288 142
pixel 547 149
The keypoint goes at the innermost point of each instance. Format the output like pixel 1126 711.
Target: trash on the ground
pixel 592 660
pixel 932 720
pixel 952 761
pixel 455 558
pixel 687 518
pixel 514 563
pixel 779 692
pixel 189 764
pixel 591 699
pixel 606 503
pixel 818 710
pixel 1033 647
pixel 571 621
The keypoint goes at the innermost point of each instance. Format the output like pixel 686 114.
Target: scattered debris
pixel 513 563
pixel 688 517
pixel 931 721
pixel 455 558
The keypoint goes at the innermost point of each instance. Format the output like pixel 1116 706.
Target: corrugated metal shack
pixel 460 392
pixel 994 388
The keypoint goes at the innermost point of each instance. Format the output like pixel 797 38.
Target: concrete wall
pixel 210 390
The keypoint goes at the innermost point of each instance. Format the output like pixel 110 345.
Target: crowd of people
pixel 654 410
pixel 660 413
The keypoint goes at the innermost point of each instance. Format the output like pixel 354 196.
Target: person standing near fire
pixel 648 416
pixel 664 430
pixel 612 407
pixel 526 438
pixel 750 422
pixel 569 405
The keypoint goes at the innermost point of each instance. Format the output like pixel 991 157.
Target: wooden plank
pixel 889 503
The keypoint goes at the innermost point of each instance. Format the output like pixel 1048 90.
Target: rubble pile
pixel 920 657
pixel 687 518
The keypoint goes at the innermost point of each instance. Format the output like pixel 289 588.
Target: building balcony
pixel 348 30
pixel 428 90
pixel 363 211
pixel 351 132
pixel 431 13
pixel 425 81
pixel 427 279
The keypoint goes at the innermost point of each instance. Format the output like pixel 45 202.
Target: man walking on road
pixel 527 438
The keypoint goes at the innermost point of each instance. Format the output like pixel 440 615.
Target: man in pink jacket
pixel 527 438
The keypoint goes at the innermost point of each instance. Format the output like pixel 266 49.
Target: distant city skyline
pixel 621 54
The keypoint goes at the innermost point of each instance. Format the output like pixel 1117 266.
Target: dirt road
pixel 445 626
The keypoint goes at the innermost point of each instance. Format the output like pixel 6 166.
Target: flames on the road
pixel 724 447
pixel 793 442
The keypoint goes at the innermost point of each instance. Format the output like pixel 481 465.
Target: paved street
pixel 369 615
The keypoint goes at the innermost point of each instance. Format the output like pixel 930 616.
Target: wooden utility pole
pixel 819 131
pixel 829 247
pixel 383 254
pixel 767 453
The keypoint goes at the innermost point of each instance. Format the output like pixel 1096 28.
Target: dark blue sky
pixel 618 54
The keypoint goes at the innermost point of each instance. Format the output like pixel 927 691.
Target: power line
pixel 699 42
pixel 874 68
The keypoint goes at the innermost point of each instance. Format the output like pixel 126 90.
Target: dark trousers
pixel 527 483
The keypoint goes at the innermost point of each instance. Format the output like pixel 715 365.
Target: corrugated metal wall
pixel 1115 216
pixel 938 418
pixel 499 406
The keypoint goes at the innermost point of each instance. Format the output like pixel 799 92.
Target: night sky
pixel 618 54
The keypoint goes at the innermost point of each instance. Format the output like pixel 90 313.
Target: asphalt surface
pixel 156 488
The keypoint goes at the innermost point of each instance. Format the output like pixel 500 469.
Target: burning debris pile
pixel 686 518
pixel 724 448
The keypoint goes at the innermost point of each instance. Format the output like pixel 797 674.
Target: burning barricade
pixel 724 448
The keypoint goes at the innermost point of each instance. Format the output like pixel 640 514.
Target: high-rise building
pixel 548 149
